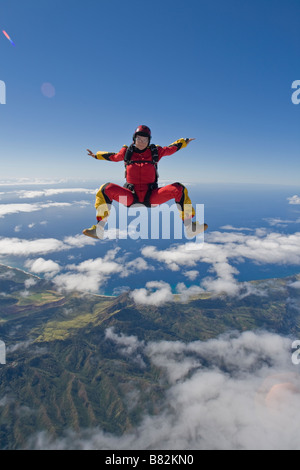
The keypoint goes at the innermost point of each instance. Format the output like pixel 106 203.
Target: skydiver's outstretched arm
pixel 110 156
pixel 117 157
pixel 174 147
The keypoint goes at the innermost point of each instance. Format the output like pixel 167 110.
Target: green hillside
pixel 62 372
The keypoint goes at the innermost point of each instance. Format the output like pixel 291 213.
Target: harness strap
pixel 131 188
pixel 146 201
pixel 140 161
pixel 154 154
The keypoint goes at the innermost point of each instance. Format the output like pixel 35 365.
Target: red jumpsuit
pixel 141 178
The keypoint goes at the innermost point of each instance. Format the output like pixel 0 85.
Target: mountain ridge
pixel 64 371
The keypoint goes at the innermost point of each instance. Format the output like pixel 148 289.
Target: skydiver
pixel 141 160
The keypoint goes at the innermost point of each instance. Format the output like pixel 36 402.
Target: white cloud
pixel 135 265
pixel 295 285
pixel 120 290
pixel 129 346
pixel 78 241
pixel 19 345
pixel 261 232
pixel 225 281
pixel 154 293
pixel 173 257
pixel 42 266
pixel 181 255
pixel 192 274
pixel 294 199
pixel 277 222
pixel 81 282
pixel 7 209
pixel 221 249
pixel 186 293
pixel 236 229
pixel 22 247
pixel 97 266
pixel 89 275
pixel 30 181
pixel 53 192
pixel 235 392
pixel 160 292
pixel 30 282
pixel 274 248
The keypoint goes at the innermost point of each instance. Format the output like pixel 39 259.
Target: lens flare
pixel 6 35
pixel 48 90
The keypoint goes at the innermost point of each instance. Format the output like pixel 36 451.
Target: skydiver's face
pixel 141 142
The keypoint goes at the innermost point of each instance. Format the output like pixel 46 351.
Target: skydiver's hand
pixel 188 141
pixel 90 153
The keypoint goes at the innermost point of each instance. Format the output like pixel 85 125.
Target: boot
pixel 192 229
pixel 96 231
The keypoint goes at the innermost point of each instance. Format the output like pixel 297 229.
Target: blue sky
pixel 219 71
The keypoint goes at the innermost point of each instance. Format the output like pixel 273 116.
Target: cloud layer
pixel 219 257
pixel 239 391
pixel 221 253
pixel 22 247
pixel 7 209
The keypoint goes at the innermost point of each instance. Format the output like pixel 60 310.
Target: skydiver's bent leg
pixel 174 191
pixel 111 192
pixel 106 194
pixel 179 192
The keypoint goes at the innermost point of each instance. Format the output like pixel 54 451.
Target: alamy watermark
pixel 159 222
pixel 296 94
pixel 2 352
pixel 2 92
pixel 296 354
